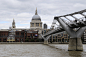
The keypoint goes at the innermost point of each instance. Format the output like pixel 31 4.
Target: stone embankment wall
pixel 30 43
pixel 21 42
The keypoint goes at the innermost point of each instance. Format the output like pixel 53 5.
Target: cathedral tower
pixel 13 24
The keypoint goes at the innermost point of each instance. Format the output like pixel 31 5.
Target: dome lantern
pixel 36 12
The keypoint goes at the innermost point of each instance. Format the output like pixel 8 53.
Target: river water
pixel 39 50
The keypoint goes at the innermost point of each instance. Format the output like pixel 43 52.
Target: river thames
pixel 39 50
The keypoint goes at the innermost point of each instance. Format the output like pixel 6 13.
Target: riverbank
pixel 30 43
pixel 21 42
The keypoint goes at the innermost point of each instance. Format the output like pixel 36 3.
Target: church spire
pixel 36 11
pixel 13 23
pixel 13 20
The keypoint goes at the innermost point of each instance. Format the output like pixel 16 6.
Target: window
pixel 33 37
pixel 62 39
pixel 59 40
pixel 17 33
pixel 28 36
pixel 22 34
pixel 59 34
pixel 66 40
pixel 0 39
pixel 37 24
pixel 33 34
pixel 32 24
pixel 44 31
pixel 10 38
pixel 17 39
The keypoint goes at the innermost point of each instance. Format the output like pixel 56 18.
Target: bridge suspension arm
pixel 80 31
pixel 71 32
pixel 65 22
pixel 42 36
pixel 45 38
pixel 48 37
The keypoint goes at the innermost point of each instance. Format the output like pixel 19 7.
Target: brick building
pixel 3 36
pixel 20 36
pixel 32 36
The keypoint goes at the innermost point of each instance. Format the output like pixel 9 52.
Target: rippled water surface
pixel 39 50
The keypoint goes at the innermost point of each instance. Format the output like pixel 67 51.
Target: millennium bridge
pixel 74 28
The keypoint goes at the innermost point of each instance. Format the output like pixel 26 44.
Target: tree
pixel 27 40
pixel 32 40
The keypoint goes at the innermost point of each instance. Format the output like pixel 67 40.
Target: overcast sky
pixel 23 10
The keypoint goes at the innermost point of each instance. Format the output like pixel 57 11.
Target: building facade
pixel 4 35
pixel 20 36
pixel 32 36
pixel 84 37
pixel 60 38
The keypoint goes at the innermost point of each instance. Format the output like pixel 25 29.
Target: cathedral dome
pixel 36 16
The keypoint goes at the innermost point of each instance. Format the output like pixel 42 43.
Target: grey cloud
pixel 47 9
